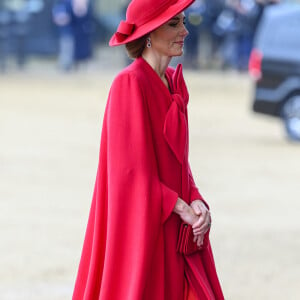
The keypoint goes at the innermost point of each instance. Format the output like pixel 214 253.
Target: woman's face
pixel 168 39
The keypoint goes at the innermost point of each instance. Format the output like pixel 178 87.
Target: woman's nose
pixel 184 32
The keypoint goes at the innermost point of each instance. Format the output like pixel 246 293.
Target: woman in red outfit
pixel 145 196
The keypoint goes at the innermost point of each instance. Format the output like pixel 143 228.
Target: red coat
pixel 129 251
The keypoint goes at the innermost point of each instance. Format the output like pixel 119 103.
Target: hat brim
pixel 168 14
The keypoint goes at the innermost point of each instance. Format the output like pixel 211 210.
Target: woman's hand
pixel 202 225
pixel 196 215
pixel 185 212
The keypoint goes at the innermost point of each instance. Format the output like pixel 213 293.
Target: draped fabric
pixel 175 126
pixel 129 250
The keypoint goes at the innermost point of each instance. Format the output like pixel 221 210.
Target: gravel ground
pixel 50 126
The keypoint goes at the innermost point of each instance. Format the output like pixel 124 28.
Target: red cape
pixel 129 251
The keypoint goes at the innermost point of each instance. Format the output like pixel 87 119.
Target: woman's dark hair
pixel 136 47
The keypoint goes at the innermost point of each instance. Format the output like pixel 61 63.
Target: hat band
pixel 125 28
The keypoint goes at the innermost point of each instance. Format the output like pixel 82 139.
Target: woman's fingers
pixel 206 226
pixel 199 239
pixel 203 218
pixel 202 225
pixel 198 207
pixel 199 222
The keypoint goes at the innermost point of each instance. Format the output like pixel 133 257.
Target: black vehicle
pixel 275 65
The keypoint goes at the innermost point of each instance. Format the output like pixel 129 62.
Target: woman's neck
pixel 158 63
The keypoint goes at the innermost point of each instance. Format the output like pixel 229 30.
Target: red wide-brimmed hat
pixel 143 16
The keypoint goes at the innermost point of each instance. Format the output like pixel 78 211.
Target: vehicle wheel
pixel 291 117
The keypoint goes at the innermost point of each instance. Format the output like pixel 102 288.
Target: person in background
pixel 147 236
pixel 15 19
pixel 5 25
pixel 247 11
pixel 75 22
pixel 194 16
pixel 82 23
pixel 62 17
pixel 236 25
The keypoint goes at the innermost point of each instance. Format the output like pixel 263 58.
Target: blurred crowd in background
pixel 227 27
pixel 221 31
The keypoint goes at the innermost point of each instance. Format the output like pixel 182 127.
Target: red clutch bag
pixel 186 244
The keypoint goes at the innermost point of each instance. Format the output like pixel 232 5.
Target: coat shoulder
pixel 133 73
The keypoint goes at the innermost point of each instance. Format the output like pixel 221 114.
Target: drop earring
pixel 148 42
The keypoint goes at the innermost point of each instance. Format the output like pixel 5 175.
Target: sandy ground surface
pixel 50 128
